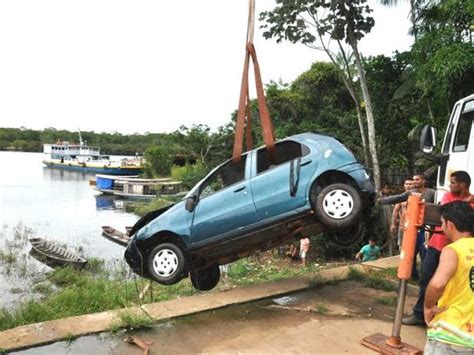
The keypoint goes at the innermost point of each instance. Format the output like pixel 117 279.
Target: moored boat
pixel 132 187
pixel 86 158
pixel 115 235
pixel 55 255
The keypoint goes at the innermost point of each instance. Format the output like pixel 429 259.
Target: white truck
pixel 457 152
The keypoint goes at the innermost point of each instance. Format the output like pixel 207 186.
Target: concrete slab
pixel 385 263
pixel 47 332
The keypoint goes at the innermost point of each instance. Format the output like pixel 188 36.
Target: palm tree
pixel 415 7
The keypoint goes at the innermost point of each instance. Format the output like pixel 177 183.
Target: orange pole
pixel 413 220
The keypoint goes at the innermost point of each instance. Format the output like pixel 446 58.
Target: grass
pixel 321 309
pixel 318 281
pixel 70 337
pixel 131 321
pixel 43 288
pixel 82 293
pixel 247 272
pixel 375 280
pixel 7 257
pixel 142 209
pixel 95 266
pixel 387 301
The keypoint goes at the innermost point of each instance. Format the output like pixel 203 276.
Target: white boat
pixel 83 157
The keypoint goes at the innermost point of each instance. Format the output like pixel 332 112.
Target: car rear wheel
pixel 337 205
pixel 206 279
pixel 347 236
pixel 166 263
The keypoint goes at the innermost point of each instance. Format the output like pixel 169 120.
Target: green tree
pixel 159 159
pixel 197 140
pixel 443 55
pixel 302 21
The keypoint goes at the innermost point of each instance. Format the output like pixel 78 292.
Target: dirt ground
pixel 329 319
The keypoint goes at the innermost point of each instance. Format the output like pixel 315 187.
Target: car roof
pixel 309 136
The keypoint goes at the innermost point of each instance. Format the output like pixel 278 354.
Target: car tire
pixel 347 236
pixel 337 206
pixel 206 279
pixel 166 263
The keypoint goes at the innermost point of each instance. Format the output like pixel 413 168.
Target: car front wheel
pixel 166 263
pixel 337 205
pixel 206 279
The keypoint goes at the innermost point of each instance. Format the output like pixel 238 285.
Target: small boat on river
pixel 135 188
pixel 55 255
pixel 83 157
pixel 116 236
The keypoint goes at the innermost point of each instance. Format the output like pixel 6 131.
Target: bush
pixel 142 209
pixel 158 160
pixel 189 174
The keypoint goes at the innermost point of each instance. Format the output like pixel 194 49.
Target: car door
pixel 272 182
pixel 225 204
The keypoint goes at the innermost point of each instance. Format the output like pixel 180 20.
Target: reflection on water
pixel 56 205
pixel 105 202
pixel 110 202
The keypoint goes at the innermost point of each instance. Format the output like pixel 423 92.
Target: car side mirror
pixel 428 139
pixel 191 202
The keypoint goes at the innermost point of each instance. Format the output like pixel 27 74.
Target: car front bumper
pixel 135 259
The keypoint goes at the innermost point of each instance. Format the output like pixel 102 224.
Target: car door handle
pixel 239 189
pixel 306 162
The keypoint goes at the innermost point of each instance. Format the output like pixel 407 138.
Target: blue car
pixel 313 183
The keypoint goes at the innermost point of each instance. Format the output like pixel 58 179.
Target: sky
pixel 145 66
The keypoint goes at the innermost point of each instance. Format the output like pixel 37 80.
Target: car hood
pixel 148 218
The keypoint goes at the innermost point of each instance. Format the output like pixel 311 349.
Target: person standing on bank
pixel 304 249
pixel 428 196
pixel 460 181
pixel 398 215
pixel 449 300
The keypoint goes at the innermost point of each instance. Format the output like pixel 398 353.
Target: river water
pixel 53 204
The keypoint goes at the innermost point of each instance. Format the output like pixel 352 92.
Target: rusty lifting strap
pixel 244 113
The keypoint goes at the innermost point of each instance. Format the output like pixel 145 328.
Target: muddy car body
pixel 240 208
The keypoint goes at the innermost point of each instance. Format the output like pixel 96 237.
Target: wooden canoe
pixel 115 235
pixel 55 255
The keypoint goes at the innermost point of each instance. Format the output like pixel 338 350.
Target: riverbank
pixel 41 333
pixel 68 292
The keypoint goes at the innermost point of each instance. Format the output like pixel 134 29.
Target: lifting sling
pixel 244 117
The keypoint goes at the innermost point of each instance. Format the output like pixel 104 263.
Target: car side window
pixel 463 130
pixel 229 174
pixel 285 151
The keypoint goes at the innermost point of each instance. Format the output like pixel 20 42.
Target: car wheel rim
pixel 165 263
pixel 338 204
